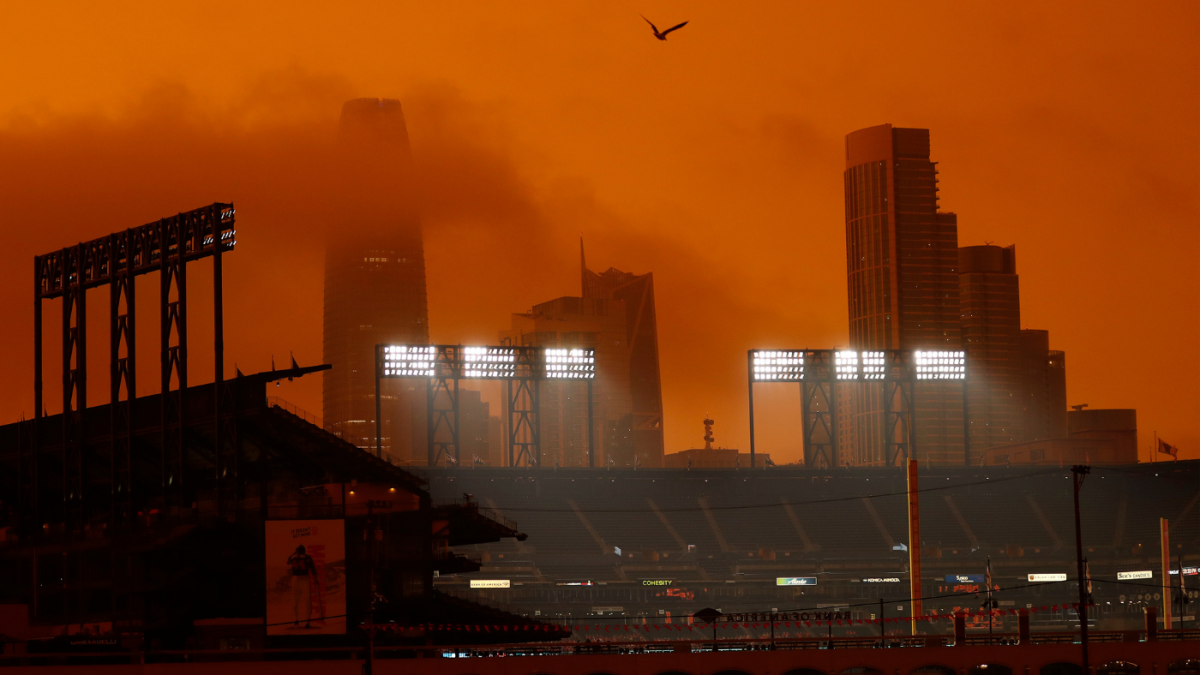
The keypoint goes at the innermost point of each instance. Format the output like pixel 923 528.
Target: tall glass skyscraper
pixel 374 279
pixel 902 266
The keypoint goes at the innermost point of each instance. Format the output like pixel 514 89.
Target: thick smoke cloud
pixel 495 242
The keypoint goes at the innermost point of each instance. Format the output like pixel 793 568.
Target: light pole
pixel 1079 472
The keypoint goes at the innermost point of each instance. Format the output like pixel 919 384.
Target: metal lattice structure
pixel 166 247
pixel 821 372
pixel 522 369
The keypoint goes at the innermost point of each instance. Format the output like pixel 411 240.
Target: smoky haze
pixel 714 160
pixel 494 242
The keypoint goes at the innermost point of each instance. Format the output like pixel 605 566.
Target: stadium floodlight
pixel 940 365
pixel 778 365
pixel 488 362
pixel 846 365
pixel 570 364
pixel 873 365
pixel 405 361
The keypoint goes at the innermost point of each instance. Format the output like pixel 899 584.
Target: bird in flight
pixel 663 35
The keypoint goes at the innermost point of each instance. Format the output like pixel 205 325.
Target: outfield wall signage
pixel 1037 578
pixel 491 583
pixel 1140 574
pixel 966 579
pixel 786 616
pixel 795 581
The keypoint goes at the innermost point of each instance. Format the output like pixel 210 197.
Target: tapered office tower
pixel 902 260
pixel 641 324
pixel 374 279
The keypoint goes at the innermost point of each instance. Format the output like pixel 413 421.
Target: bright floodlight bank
pixel 482 363
pixel 774 365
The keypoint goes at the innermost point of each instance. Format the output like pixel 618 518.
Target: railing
pixel 277 402
pixel 616 647
pixel 363 443
pixel 469 504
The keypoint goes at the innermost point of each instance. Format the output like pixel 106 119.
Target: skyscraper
pixel 374 276
pixel 1043 403
pixel 597 324
pixel 902 266
pixel 990 298
pixel 641 324
pixel 615 316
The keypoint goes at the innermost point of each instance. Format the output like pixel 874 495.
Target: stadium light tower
pixel 820 371
pixel 522 369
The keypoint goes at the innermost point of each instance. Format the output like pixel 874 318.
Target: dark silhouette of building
pixel 473 427
pixel 641 325
pixel 990 301
pixel 1115 425
pixel 1043 388
pixel 902 266
pixel 160 509
pixel 374 279
pixel 591 323
pixel 615 316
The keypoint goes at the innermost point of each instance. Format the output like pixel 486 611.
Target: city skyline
pixel 1103 207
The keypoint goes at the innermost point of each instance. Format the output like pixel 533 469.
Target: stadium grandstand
pixel 656 545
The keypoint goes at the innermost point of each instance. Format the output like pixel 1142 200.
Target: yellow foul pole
pixel 914 544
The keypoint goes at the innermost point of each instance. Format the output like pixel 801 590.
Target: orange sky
pixel 713 159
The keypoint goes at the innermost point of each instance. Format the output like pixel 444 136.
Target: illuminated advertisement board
pixel 795 581
pixel 658 582
pixel 1140 574
pixel 306 577
pixel 490 583
pixel 881 580
pixel 1047 577
pixel 966 579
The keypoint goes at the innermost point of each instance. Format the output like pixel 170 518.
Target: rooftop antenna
pixel 708 437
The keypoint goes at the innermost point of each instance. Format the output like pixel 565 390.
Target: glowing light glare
pixel 489 362
pixel 940 365
pixel 405 361
pixel 778 366
pixel 846 365
pixel 570 364
pixel 873 365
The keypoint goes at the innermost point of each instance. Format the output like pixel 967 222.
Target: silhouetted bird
pixel 663 34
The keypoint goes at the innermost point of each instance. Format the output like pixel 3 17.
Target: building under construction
pixel 206 513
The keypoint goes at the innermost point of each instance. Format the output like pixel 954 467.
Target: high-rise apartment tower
pixel 902 266
pixel 374 277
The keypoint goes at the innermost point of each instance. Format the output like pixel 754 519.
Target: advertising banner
pixel 306 577
pixel 1047 577
pixel 795 581
pixel 979 579
pixel 1140 574
pixel 490 583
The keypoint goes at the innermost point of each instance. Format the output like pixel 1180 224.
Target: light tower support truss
pixel 164 246
pixel 521 369
pixel 820 374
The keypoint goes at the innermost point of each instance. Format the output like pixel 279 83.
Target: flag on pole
pixel 1087 575
pixel 1165 448
pixel 990 604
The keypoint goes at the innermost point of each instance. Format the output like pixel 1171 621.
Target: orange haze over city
pixel 713 159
